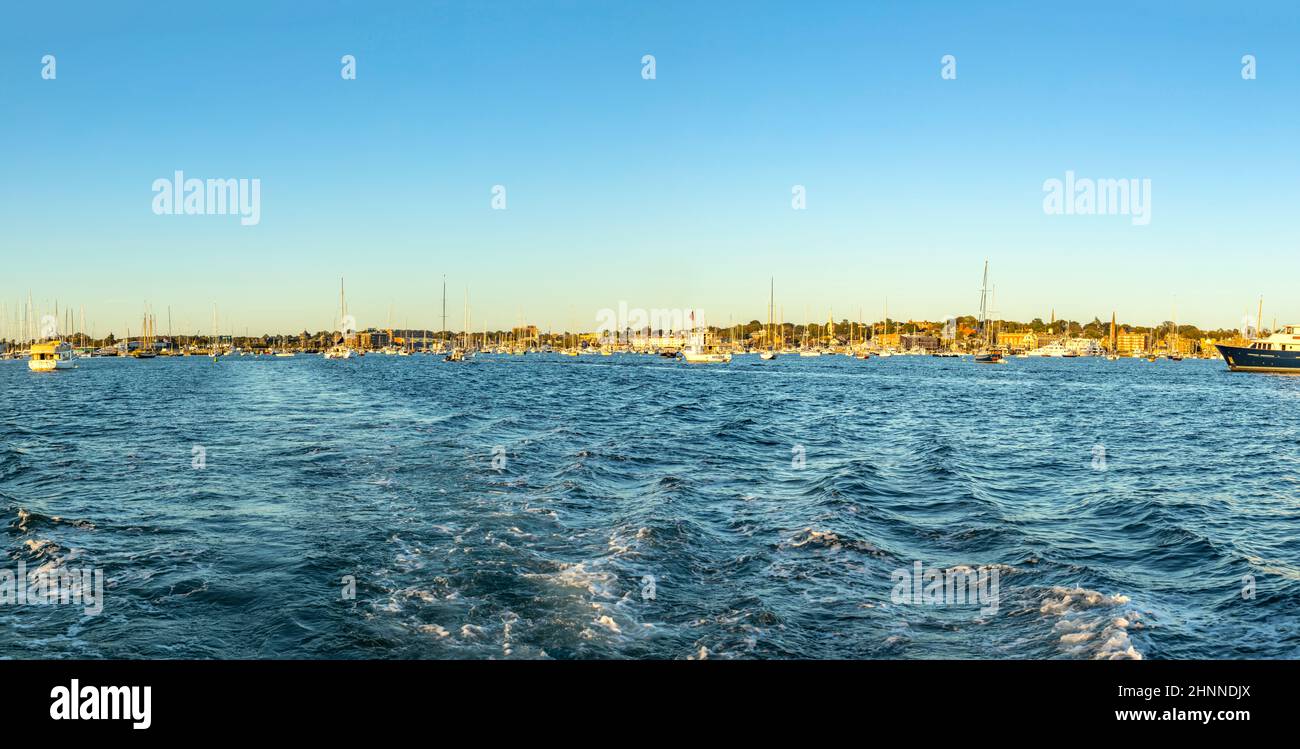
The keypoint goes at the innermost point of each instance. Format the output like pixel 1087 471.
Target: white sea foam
pixel 595 582
pixel 1092 624
pixel 434 629
pixel 828 539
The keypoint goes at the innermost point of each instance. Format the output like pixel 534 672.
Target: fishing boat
pixel 697 351
pixel 692 355
pixel 1279 352
pixel 52 356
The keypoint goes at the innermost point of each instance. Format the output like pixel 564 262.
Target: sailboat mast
pixel 771 299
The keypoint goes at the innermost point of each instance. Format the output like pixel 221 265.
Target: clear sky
pixel 671 192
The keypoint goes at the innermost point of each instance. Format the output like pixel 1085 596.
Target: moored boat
pixel 51 356
pixel 1279 352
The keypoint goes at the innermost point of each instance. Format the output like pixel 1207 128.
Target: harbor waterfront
pixel 628 506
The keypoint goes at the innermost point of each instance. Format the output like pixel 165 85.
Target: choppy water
pixel 621 469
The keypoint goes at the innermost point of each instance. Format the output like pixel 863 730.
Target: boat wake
pixel 1092 624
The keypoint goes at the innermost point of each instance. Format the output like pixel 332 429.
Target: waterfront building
pixel 1130 343
pixel 920 341
pixel 371 340
pixel 526 334
pixel 1017 342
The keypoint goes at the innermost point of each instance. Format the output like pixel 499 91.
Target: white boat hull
pixel 696 358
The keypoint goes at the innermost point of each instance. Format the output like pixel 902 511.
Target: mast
pixel 984 290
pixel 342 310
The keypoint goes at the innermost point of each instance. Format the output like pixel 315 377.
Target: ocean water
pixel 635 507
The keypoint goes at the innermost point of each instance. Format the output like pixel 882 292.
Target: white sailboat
pixel 341 349
pixel 991 354
pixel 770 354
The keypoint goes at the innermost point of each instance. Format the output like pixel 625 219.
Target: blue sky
pixel 673 192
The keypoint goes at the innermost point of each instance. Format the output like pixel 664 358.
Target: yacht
pixel 1055 349
pixel 1279 352
pixel 51 356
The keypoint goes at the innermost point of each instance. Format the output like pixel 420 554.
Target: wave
pixel 1092 624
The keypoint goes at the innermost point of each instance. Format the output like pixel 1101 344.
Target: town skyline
pixel 856 153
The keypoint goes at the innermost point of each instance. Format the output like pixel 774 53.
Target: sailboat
pixel 990 354
pixel 458 354
pixel 770 354
pixel 213 352
pixel 146 350
pixel 884 352
pixel 341 349
pixel 1175 354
